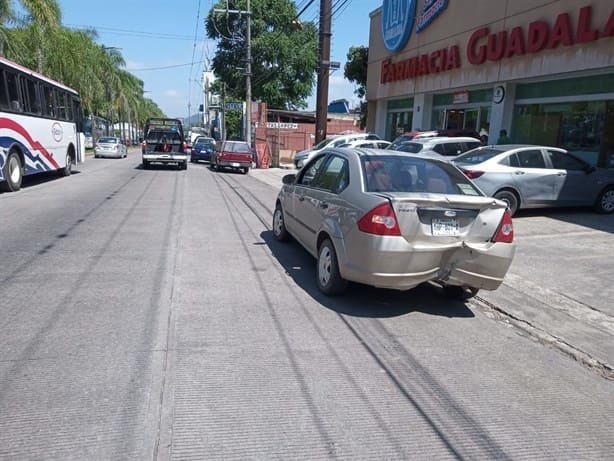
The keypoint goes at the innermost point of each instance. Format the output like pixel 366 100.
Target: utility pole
pixel 248 69
pixel 323 68
pixel 248 79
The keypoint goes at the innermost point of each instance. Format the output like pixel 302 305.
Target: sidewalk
pixel 558 289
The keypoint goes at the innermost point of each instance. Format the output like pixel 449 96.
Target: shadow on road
pixel 361 300
pixel 580 216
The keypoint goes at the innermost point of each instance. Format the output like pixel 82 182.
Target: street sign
pixel 233 106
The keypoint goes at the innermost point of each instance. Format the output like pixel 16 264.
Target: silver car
pixel 110 146
pixel 394 220
pixel 526 176
pixel 441 147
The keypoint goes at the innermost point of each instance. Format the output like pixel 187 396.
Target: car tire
pixel 328 277
pixel 605 201
pixel 279 225
pixel 245 170
pixel 145 165
pixel 510 198
pixel 13 173
pixel 460 293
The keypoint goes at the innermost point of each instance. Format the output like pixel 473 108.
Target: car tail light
pixel 473 174
pixel 505 231
pixel 381 220
pixel 115 147
pixel 185 147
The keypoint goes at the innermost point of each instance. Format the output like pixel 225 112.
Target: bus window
pixel 60 100
pixel 49 105
pixel 4 100
pixel 32 92
pixel 12 85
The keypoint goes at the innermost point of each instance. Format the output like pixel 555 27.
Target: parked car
pixel 303 157
pixel 236 155
pixel 394 220
pixel 202 149
pixel 367 143
pixel 526 176
pixel 441 147
pixel 453 133
pixel 110 146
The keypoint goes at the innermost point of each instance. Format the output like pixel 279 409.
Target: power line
pixel 132 33
pixel 164 67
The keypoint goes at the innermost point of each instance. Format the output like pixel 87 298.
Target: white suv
pixel 303 156
pixel 441 147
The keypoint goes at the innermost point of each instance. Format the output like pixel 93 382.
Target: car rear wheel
pixel 245 170
pixel 279 226
pixel 605 201
pixel 13 173
pixel 510 198
pixel 460 293
pixel 145 164
pixel 329 279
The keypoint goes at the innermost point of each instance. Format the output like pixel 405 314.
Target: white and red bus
pixel 40 121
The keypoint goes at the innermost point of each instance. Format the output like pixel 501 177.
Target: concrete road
pixel 150 314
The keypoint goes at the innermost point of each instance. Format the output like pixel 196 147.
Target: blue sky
pixel 164 43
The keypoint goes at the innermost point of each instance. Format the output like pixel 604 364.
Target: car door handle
pixel 323 205
pixel 562 174
pixel 301 198
pixel 518 172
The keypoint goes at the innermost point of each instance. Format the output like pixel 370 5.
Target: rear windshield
pixel 408 174
pixel 411 147
pixel 204 143
pixel 108 140
pixel 473 157
pixel 236 147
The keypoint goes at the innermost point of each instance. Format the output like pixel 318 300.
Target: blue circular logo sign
pixel 397 21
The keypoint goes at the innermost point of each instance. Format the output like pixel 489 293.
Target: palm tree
pixel 45 17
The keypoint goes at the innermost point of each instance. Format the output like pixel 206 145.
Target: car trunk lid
pixel 436 219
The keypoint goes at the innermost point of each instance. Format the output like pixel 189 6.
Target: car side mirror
pixel 288 179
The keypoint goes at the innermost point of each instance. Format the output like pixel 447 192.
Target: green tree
pixel 75 59
pixel 284 56
pixel 355 70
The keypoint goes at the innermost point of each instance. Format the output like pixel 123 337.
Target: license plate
pixel 236 165
pixel 444 226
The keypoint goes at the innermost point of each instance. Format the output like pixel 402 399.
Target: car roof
pixel 442 139
pixel 361 151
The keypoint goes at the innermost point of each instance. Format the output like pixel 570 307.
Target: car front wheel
pixel 329 279
pixel 605 201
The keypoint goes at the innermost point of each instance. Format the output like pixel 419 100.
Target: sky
pixel 164 43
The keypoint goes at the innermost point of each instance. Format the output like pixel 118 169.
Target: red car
pixel 236 155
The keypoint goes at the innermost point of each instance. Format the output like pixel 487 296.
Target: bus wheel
pixel 13 173
pixel 67 170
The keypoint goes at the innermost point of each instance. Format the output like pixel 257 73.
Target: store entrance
pixel 462 118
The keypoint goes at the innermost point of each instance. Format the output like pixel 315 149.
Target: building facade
pixel 542 70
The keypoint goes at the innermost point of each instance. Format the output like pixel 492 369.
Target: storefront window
pixel 399 117
pixel 397 123
pixel 585 128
